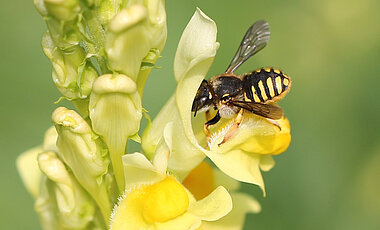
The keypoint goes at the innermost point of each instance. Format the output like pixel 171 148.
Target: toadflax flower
pixel 154 199
pixel 254 143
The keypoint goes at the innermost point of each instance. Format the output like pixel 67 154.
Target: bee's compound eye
pixel 225 98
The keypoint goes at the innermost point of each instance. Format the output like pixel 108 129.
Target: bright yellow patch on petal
pixel 200 182
pixel 165 200
pixel 127 215
pixel 275 143
pixel 150 204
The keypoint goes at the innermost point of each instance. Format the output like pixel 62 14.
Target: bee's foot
pixel 221 143
pixel 228 136
pixel 274 122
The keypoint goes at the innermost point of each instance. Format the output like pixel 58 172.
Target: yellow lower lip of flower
pixel 150 204
pixel 200 181
pixel 254 135
pixel 275 143
pixel 164 201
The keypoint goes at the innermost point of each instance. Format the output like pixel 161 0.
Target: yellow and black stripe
pixel 265 85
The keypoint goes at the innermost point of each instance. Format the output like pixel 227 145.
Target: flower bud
pixel 72 73
pixel 62 201
pixel 115 113
pixel 50 140
pixel 127 41
pixel 134 34
pixel 27 164
pixel 107 9
pixel 29 171
pixel 65 10
pixel 84 153
pixel 40 6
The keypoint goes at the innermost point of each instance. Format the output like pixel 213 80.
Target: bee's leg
pixel 232 131
pixel 274 122
pixel 208 115
pixel 213 121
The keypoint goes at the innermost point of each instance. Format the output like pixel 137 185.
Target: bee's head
pixel 203 98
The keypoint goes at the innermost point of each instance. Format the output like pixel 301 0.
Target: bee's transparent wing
pixel 255 39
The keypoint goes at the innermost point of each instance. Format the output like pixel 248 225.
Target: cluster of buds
pixel 82 177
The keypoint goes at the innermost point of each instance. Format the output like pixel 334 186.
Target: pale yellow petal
pixel 183 222
pixel 139 170
pixel 267 162
pixel 226 181
pixel 154 131
pixel 29 171
pixel 239 165
pixel 50 140
pixel 184 155
pixel 162 155
pixel 216 205
pixel 234 220
pixel 194 57
pixel 197 44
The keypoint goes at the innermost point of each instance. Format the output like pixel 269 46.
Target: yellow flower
pixel 203 179
pixel 246 153
pixel 156 200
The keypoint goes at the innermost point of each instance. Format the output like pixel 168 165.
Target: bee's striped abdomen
pixel 264 85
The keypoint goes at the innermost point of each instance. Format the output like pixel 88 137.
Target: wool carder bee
pixel 256 92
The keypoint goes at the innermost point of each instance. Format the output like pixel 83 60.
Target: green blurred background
pixel 329 178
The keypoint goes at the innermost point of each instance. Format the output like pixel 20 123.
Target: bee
pixel 256 92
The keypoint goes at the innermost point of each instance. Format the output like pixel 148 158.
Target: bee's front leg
pixel 232 131
pixel 208 115
pixel 213 121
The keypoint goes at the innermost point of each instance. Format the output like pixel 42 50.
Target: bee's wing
pixel 255 39
pixel 265 110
